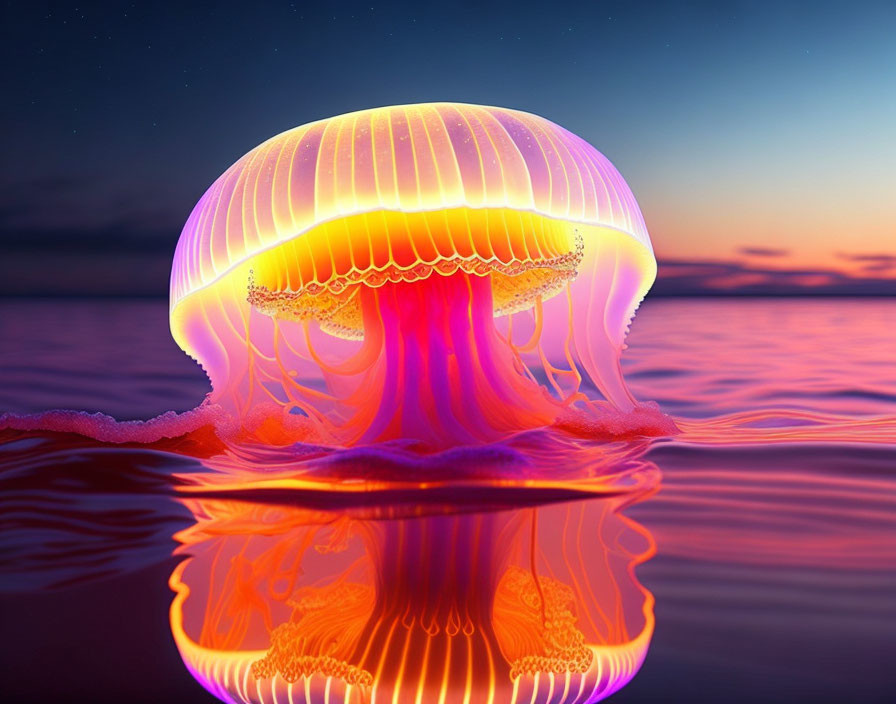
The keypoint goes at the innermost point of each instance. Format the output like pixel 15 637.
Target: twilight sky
pixel 759 137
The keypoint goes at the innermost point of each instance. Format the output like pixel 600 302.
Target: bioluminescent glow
pixel 539 603
pixel 447 273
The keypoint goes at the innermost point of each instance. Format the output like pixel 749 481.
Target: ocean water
pixel 769 520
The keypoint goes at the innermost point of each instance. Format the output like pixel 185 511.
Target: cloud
pixel 697 277
pixel 880 267
pixel 873 258
pixel 55 239
pixel 70 273
pixel 871 263
pixel 66 237
pixel 127 234
pixel 763 252
pixel 135 272
pixel 55 215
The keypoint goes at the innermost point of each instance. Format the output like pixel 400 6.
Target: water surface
pixel 773 512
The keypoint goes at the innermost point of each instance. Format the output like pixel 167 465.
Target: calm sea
pixel 774 517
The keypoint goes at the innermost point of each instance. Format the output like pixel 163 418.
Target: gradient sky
pixel 759 137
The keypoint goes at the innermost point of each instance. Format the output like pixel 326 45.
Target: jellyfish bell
pixel 443 272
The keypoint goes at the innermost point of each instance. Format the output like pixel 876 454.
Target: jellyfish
pixel 444 273
pixel 514 602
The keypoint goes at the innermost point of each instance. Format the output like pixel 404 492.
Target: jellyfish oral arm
pixel 443 373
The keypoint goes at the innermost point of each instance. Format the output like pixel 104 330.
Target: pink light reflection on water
pixel 777 497
pixel 787 407
pixel 712 357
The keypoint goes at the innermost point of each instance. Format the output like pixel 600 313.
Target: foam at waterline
pixel 603 422
pixel 106 429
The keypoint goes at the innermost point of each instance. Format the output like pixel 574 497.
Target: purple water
pixel 775 521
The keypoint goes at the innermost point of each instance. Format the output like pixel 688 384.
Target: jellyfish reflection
pixel 532 603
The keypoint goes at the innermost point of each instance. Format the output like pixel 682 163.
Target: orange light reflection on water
pixel 441 604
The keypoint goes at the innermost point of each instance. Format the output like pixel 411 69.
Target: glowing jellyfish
pixel 444 272
pixel 497 604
